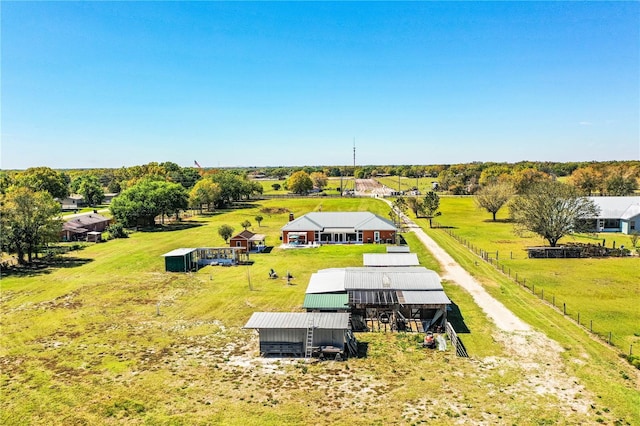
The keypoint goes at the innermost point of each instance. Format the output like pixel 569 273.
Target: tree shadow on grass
pixel 179 226
pixel 454 316
pixel 43 266
pixel 498 221
pixel 439 226
pixel 363 349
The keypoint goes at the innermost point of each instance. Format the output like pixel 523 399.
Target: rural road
pixel 503 318
pixel 544 373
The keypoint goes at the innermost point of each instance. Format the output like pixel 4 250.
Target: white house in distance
pixel 617 214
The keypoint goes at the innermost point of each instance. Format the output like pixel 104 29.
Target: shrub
pixel 117 230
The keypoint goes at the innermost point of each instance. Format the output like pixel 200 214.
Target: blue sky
pixel 111 84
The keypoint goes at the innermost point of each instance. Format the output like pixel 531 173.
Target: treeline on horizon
pixel 603 178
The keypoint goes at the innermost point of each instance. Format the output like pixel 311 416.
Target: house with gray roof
pixel 617 214
pixel 338 228
pixel 82 227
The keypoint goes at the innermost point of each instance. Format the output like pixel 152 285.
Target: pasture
pixel 105 336
pixel 604 291
pixel 330 189
pixel 406 184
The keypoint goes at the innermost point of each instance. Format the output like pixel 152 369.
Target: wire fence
pixel 493 258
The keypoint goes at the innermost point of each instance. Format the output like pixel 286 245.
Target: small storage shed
pixel 287 333
pixel 248 241
pixel 181 260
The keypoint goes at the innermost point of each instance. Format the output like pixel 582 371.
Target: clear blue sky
pixel 93 84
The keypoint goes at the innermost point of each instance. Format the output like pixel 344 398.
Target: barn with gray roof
pixel 392 298
pixel 300 334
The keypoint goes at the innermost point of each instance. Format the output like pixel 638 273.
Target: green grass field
pixel 406 184
pixel 605 292
pixel 332 184
pixel 108 337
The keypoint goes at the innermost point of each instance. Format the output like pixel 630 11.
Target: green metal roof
pixel 326 301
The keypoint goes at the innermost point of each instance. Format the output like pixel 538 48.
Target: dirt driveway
pixel 545 372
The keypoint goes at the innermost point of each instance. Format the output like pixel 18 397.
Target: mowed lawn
pixel 605 291
pixel 109 337
pixel 330 189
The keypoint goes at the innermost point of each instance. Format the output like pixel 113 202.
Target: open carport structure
pixel 386 298
pixel 298 334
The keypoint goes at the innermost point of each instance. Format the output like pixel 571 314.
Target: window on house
pixel 632 225
pixel 612 223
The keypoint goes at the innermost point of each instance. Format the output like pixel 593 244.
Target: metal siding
pixel 329 338
pixel 175 264
pixel 395 259
pixel 326 301
pixel 398 249
pixel 179 252
pixel 395 278
pixel 297 320
pixel 326 281
pixel 425 298
pixel 282 335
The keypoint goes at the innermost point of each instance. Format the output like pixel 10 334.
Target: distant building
pixel 85 227
pixel 617 214
pixel 248 241
pixel 72 202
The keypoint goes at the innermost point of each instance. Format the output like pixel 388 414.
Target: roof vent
pixel 386 281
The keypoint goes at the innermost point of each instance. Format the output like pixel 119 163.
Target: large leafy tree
pixel 525 178
pixel 44 179
pixel 205 192
pixel 300 182
pixel 552 210
pixel 140 204
pixel 493 196
pixel 90 188
pixel 234 187
pixel 319 179
pixel 28 220
pixel 185 176
pixel 620 185
pixel 587 179
pixel 5 181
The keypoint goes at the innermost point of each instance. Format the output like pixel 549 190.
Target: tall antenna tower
pixel 354 155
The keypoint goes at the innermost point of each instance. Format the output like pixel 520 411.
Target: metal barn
pixel 181 260
pixel 299 334
pixel 390 259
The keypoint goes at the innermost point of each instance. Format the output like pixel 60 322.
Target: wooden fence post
pixel 564 309
pixel 554 300
pixel 578 318
pixel 542 294
pixel 591 326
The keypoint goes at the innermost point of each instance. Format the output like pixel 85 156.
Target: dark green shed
pixel 181 260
